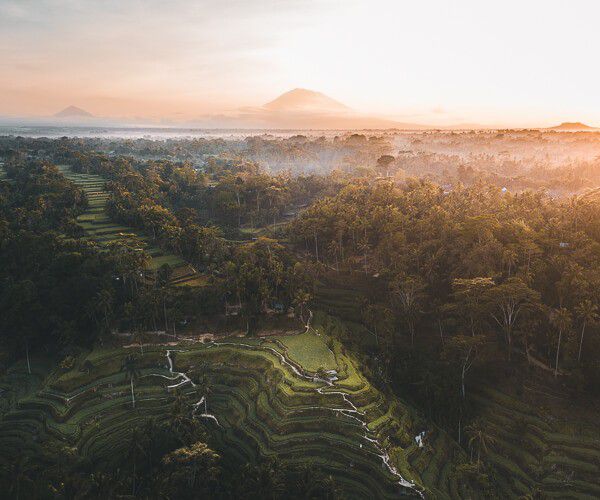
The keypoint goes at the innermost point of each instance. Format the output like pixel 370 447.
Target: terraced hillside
pixel 264 400
pixel 533 451
pixel 342 294
pixel 99 227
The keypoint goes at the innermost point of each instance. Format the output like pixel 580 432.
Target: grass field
pixel 310 351
pixel 266 404
pixel 100 228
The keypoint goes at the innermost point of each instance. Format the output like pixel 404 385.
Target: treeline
pixel 467 274
pixel 59 289
pixel 228 192
pixel 299 154
pixel 170 202
pixel 49 279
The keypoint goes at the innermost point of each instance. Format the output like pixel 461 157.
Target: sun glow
pixel 515 63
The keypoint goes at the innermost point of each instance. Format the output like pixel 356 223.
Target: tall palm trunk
pixel 27 355
pixel 132 394
pixel 581 342
pixel 557 353
pixel 165 313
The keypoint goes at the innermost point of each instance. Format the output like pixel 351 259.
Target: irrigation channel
pixel 350 411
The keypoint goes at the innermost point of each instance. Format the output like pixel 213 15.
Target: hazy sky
pixel 525 62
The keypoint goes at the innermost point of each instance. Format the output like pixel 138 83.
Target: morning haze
pixel 299 250
pixel 430 63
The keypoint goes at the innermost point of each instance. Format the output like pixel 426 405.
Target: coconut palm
pixel 135 451
pixel 480 438
pixel 19 470
pixel 509 259
pixel 206 385
pixel 587 312
pixel 131 373
pixel 104 302
pixel 561 320
pixel 181 422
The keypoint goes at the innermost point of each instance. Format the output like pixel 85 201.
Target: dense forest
pixel 442 271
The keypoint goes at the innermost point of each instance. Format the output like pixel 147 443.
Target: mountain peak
pixel 572 126
pixel 304 100
pixel 73 112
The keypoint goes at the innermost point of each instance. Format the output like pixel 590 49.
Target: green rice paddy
pixel 265 397
pixel 101 229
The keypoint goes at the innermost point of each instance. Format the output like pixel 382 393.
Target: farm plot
pixel 261 403
pixel 100 228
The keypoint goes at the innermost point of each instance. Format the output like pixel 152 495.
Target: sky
pixel 509 63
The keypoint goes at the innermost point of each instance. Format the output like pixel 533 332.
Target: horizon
pixel 428 64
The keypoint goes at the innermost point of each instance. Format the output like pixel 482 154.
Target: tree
pixel 480 438
pixel 507 302
pixel 464 350
pixel 562 321
pixel 87 366
pixel 408 294
pixel 301 298
pixel 104 302
pixel 19 472
pixel 468 300
pixel 383 164
pixel 380 319
pixel 509 259
pixel 311 482
pixel 587 312
pixel 206 385
pixel 135 451
pixel 181 423
pixel 263 481
pixel 131 373
pixel 196 465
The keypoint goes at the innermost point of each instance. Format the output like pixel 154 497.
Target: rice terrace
pixel 299 250
pixel 260 397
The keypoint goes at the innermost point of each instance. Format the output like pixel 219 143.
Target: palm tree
pixel 131 373
pixel 207 387
pixel 104 302
pixel 587 312
pixel 19 471
pixel 509 259
pixel 408 293
pixel 561 319
pixel 134 451
pixel 103 485
pixel 264 480
pixel 300 300
pixel 480 438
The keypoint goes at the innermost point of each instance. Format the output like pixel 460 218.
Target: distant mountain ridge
pixel 572 126
pixel 303 100
pixel 73 112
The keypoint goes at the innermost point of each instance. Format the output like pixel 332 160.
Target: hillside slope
pixel 100 228
pixel 263 402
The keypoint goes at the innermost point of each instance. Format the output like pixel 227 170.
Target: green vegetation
pixel 532 451
pixel 450 334
pixel 310 351
pixel 263 409
pixel 100 228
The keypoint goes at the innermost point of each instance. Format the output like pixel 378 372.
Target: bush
pixel 67 363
